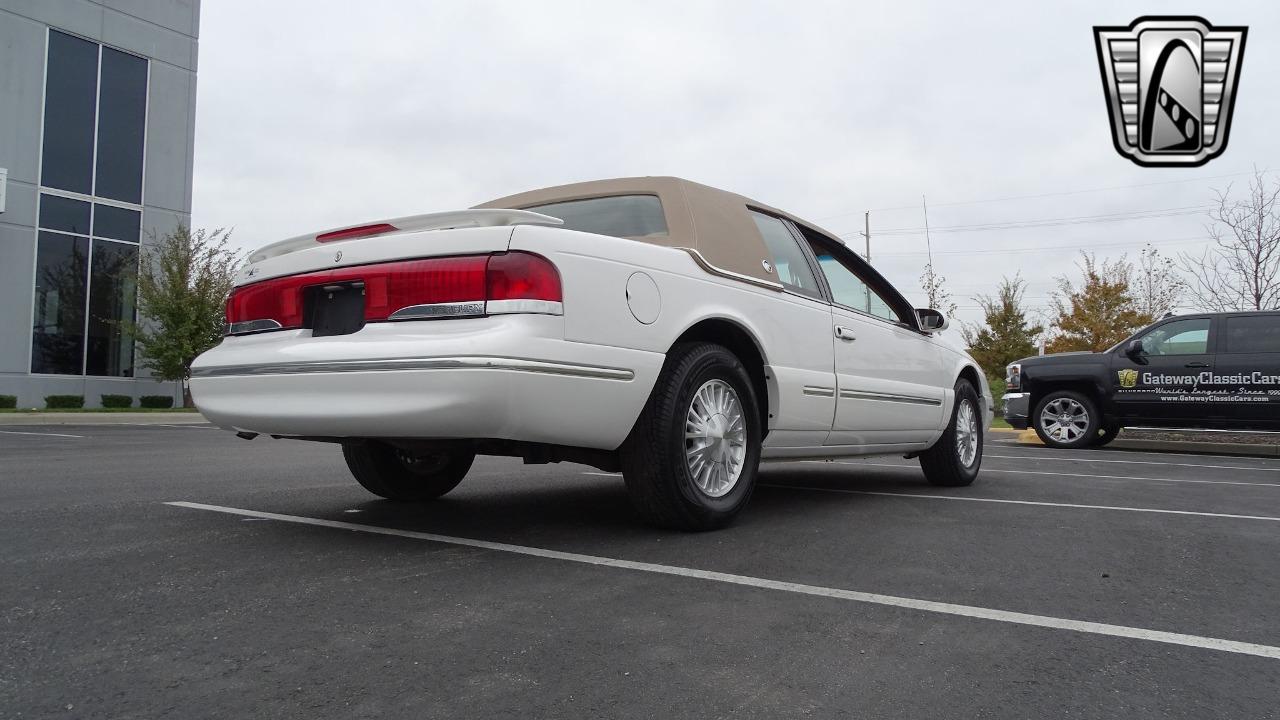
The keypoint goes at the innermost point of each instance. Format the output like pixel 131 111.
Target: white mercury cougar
pixel 667 329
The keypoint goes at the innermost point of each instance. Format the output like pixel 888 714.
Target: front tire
pixel 403 476
pixel 953 460
pixel 690 461
pixel 1066 419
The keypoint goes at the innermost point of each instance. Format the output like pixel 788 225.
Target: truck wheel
pixel 1110 429
pixel 690 461
pixel 396 474
pixel 953 460
pixel 1066 419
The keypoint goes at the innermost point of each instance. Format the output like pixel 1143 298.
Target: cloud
pixel 316 114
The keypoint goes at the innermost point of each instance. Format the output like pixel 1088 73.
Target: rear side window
pixel 788 259
pixel 1256 334
pixel 624 216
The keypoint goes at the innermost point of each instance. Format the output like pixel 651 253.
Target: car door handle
pixel 845 333
pixel 1197 365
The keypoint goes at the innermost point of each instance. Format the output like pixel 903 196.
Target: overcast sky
pixel 323 113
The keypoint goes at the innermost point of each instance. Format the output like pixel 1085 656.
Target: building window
pixel 90 215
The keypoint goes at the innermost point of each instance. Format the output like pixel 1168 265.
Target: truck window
pixel 1253 334
pixel 1181 337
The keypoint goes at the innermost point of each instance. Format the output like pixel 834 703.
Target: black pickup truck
pixel 1219 371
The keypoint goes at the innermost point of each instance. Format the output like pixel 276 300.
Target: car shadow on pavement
pixel 570 506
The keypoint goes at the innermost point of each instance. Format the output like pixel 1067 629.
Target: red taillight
pixel 522 276
pixel 356 232
pixel 388 287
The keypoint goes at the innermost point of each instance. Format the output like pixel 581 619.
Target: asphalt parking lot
pixel 1063 583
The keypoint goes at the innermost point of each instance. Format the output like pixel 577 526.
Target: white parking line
pixel 1022 502
pixel 1018 618
pixel 1039 451
pixel 183 426
pixel 1046 472
pixel 1136 462
pixel 41 434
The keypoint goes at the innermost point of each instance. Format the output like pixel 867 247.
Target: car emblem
pixel 1170 84
pixel 768 266
pixel 337 256
pixel 1128 377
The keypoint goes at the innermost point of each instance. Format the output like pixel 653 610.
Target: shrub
pixel 156 401
pixel 997 389
pixel 117 401
pixel 8 401
pixel 63 402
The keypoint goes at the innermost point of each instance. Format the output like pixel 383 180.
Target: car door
pixel 891 384
pixel 1247 371
pixel 1165 383
pixel 807 398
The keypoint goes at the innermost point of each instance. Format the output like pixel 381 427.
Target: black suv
pixel 1218 370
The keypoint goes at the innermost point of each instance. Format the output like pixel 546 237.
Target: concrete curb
pixel 1189 447
pixel 122 418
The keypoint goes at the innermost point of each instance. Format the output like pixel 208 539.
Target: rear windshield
pixel 627 216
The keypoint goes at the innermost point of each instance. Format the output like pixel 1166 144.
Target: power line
pixel 1053 222
pixel 1059 193
pixel 1045 248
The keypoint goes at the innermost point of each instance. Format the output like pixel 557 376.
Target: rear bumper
pixel 497 377
pixel 1016 409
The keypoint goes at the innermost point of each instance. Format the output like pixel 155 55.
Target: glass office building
pixel 97 112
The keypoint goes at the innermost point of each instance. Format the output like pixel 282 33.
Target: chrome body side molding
pixel 889 397
pixel 428 363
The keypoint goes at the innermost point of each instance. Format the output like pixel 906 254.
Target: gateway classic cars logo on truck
pixel 1128 378
pixel 1170 84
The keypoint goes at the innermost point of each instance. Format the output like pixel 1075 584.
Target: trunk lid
pixel 418 236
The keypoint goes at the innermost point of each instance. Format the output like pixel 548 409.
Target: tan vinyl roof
pixel 714 223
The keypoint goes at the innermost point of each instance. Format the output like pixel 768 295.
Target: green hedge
pixel 117 401
pixel 63 402
pixel 8 402
pixel 156 401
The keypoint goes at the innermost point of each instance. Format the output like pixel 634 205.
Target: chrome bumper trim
pixel 399 364
pixel 888 397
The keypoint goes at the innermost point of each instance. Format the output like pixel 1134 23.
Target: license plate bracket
pixel 336 309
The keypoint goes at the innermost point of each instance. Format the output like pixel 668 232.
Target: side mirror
pixel 1135 351
pixel 931 320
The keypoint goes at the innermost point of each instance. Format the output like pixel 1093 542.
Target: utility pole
pixel 866 224
pixel 927 242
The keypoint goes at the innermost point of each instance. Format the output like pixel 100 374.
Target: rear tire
pixel 1066 419
pixel 1109 431
pixel 690 461
pixel 953 460
pixel 399 475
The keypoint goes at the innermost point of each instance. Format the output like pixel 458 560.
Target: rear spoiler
pixel 412 223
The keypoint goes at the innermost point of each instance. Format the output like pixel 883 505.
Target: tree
pixel 1008 334
pixel 934 288
pixel 1241 269
pixel 183 284
pixel 1101 312
pixel 1157 286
